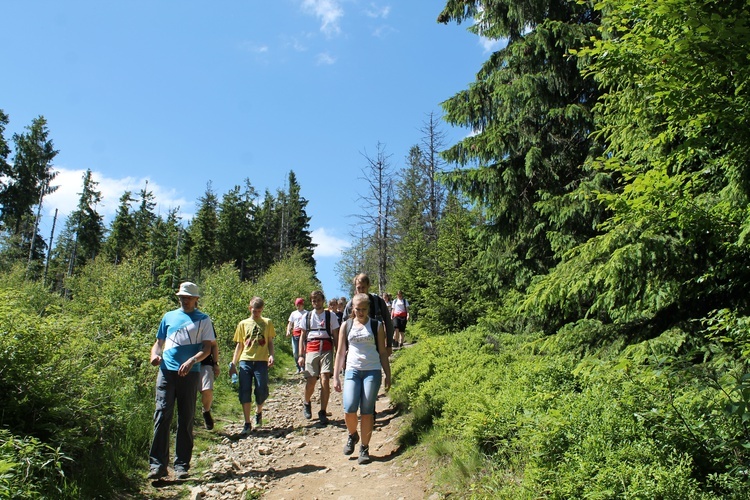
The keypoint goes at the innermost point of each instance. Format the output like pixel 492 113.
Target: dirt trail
pixel 291 457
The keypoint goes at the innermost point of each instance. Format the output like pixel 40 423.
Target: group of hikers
pixel 362 335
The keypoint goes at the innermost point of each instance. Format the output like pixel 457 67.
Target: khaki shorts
pixel 318 362
pixel 207 377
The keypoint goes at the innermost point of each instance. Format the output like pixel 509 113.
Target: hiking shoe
pixel 307 410
pixel 180 473
pixel 156 473
pixel 208 420
pixel 349 446
pixel 246 430
pixel 323 417
pixel 364 455
pixel 258 419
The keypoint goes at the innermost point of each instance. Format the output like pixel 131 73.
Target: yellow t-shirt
pixel 255 335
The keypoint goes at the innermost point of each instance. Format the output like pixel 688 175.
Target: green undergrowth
pixel 77 416
pixel 575 415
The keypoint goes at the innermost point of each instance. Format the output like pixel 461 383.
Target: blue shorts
pixel 253 378
pixel 361 391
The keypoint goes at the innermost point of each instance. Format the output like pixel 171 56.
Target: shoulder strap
pixel 348 327
pixel 328 324
pixel 307 321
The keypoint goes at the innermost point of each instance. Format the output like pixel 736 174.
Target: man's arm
pixel 156 351
pixel 270 352
pixel 388 324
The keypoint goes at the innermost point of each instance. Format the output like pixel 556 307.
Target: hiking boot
pixel 258 419
pixel 364 455
pixel 180 473
pixel 246 430
pixel 208 420
pixel 307 410
pixel 156 473
pixel 350 442
pixel 323 417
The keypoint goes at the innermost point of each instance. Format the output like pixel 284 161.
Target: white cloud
pixel 383 31
pixel 328 245
pixel 325 58
pixel 378 12
pixel 328 11
pixel 65 199
pixel 490 45
pixel 254 47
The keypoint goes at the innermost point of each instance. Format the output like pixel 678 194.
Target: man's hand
pixel 155 359
pixel 186 367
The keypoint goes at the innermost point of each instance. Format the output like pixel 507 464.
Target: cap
pixel 188 289
pixel 299 301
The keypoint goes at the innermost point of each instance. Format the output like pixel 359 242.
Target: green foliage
pixel 30 469
pixel 286 280
pixel 225 298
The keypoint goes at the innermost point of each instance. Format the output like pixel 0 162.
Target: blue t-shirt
pixel 183 335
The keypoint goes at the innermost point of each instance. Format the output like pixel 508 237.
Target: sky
pixel 173 95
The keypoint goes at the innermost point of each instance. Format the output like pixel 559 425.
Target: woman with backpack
pixel 362 352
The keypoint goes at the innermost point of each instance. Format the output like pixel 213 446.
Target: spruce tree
pixel 530 111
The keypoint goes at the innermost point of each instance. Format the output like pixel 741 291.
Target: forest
pixel 576 267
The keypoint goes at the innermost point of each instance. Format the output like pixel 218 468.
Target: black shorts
pixel 399 323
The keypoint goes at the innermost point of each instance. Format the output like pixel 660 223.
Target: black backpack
pixel 327 320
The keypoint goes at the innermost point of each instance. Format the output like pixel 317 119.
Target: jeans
pixel 361 391
pixel 253 377
pixel 170 387
pixel 295 350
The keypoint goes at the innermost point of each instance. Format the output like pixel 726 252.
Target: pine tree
pixel 237 233
pixel 203 233
pixel 28 181
pixel 86 222
pixel 530 110
pixel 295 230
pixel 121 239
pixel 143 221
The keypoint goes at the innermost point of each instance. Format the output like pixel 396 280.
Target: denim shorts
pixel 253 378
pixel 361 391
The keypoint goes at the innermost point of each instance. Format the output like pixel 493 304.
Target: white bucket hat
pixel 189 289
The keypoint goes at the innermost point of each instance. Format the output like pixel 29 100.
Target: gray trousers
pixel 170 387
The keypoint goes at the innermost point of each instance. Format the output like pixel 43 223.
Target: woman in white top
pixel 362 351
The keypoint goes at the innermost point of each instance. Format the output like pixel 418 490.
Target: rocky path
pixel 291 457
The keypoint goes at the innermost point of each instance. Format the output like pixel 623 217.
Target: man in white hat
pixel 185 337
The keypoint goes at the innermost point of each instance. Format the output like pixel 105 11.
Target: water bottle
pixel 235 378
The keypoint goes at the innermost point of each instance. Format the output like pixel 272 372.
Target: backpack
pixel 327 320
pixel 373 326
pixel 375 301
pixel 308 317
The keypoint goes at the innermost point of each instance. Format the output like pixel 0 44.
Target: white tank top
pixel 362 354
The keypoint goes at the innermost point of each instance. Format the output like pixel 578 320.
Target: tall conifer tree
pixel 530 110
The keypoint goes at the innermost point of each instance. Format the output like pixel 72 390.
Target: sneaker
pixel 323 417
pixel 208 420
pixel 258 419
pixel 246 430
pixel 364 455
pixel 308 410
pixel 156 473
pixel 180 473
pixel 349 446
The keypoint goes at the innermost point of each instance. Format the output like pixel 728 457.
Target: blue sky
pixel 182 93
